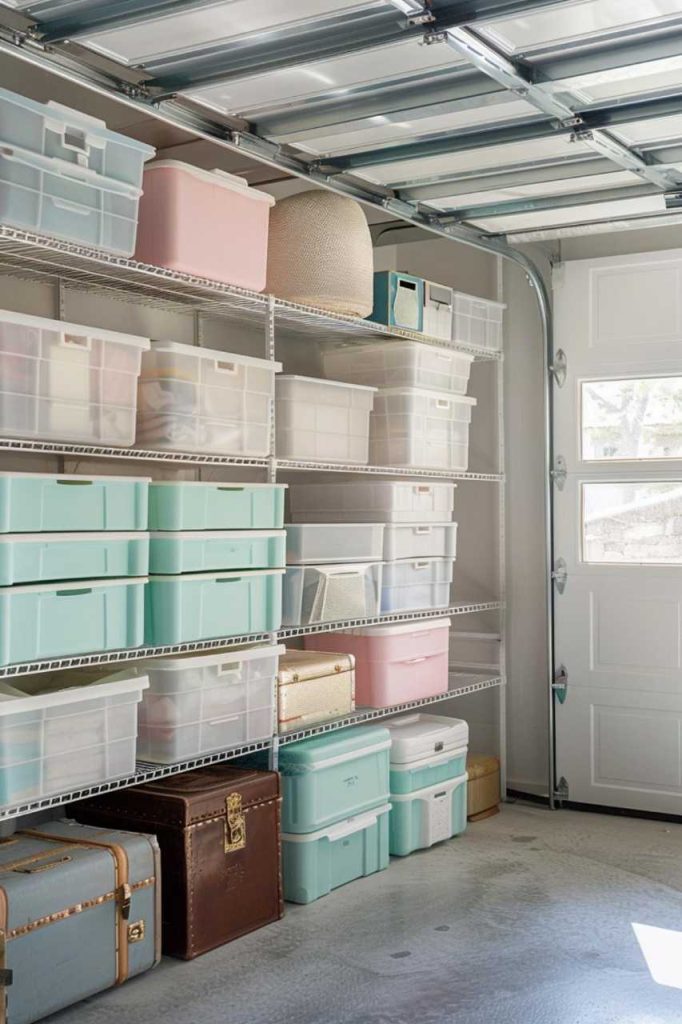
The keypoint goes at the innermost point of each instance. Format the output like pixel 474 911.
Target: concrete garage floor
pixel 525 919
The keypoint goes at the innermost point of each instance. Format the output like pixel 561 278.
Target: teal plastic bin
pixel 316 863
pixel 47 502
pixel 426 750
pixel 418 820
pixel 47 620
pixel 203 606
pixel 198 551
pixel 328 778
pixel 215 506
pixel 38 557
pixel 428 772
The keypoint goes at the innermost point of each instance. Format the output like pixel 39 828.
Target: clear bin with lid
pixel 322 420
pixel 424 429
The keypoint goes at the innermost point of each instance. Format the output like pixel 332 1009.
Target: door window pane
pixel 630 522
pixel 633 418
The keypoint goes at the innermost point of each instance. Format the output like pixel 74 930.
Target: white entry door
pixel 618 530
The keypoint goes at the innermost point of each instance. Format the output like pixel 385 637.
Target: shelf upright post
pixel 502 556
pixel 273 749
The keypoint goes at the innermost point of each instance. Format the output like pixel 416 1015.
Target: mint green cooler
pixel 315 863
pixel 428 816
pixel 426 750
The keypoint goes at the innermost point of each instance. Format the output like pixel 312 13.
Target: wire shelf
pixel 461 608
pixel 302 466
pixel 9 444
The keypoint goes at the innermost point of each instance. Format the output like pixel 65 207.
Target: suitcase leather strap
pixel 235 823
pixel 123 892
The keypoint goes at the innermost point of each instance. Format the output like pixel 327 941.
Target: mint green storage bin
pixel 203 606
pixel 47 620
pixel 38 557
pixel 328 778
pixel 217 550
pixel 429 772
pixel 428 816
pixel 68 503
pixel 316 863
pixel 215 506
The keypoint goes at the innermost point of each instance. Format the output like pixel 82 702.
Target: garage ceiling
pixel 507 118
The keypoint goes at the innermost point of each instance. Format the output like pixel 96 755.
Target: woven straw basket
pixel 320 253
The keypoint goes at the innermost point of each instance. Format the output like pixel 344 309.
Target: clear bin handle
pixel 442 403
pixel 422 489
pixel 229 666
pixel 445 356
pixel 422 530
pixel 419 565
pixel 76 341
pixel 224 366
pixel 226 718
pixel 66 204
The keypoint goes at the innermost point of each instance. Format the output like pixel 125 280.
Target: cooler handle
pixel 235 489
pixel 73 593
pixel 75 483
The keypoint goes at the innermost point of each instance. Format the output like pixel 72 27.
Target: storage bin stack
pixel 216 561
pixel 428 781
pixel 314 688
pixel 332 831
pixel 68 593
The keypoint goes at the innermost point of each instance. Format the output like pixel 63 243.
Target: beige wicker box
pixel 483 792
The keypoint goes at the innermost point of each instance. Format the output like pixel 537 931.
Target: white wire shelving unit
pixel 49 261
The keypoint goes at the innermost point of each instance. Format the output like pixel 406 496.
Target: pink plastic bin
pixel 393 664
pixel 207 223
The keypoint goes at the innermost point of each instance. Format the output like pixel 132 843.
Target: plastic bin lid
pixel 441 396
pixel 400 628
pixel 185 662
pixel 398 343
pixel 80 330
pixel 215 485
pixel 214 354
pixel 416 736
pixel 207 577
pixel 51 689
pixel 322 380
pixel 479 298
pixel 316 751
pixel 223 179
pixel 81 478
pixel 53 587
pixel 341 829
pixel 101 537
pixel 177 535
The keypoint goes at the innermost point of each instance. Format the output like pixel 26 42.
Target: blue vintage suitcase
pixel 79 912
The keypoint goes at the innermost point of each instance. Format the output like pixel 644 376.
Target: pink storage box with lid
pixel 207 223
pixel 394 663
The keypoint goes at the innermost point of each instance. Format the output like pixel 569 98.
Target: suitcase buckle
pixel 123 899
pixel 136 931
pixel 235 823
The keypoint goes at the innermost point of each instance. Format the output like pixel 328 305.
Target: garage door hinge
pixel 559 368
pixel 560 575
pixel 559 472
pixel 561 791
pixel 560 684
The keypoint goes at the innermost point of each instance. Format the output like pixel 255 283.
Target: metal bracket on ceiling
pixel 417 12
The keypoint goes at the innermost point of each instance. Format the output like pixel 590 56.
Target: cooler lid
pixel 299 666
pixel 417 735
pixel 342 744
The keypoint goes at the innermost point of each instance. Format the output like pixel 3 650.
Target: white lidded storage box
pixel 61 502
pixel 328 593
pixel 395 364
pixel 334 542
pixel 67 382
pixel 416 585
pixel 322 420
pixel 423 540
pixel 375 501
pixel 477 321
pixel 426 749
pixel 204 400
pixel 413 427
pixel 438 305
pixel 199 704
pixel 207 223
pixel 61 732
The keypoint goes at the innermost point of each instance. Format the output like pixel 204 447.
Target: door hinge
pixel 560 684
pixel 561 791
pixel 559 368
pixel 560 575
pixel 560 472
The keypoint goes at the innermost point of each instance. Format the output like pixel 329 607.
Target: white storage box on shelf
pixel 438 304
pixel 477 321
pixel 64 173
pixel 396 364
pixel 199 704
pixel 421 429
pixel 314 543
pixel 412 586
pixel 67 382
pixel 328 593
pixel 204 400
pixel 60 732
pixel 322 420
pixel 423 540
pixel 373 501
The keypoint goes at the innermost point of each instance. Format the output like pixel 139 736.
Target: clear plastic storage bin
pixel 395 364
pixel 197 704
pixel 322 420
pixel 37 557
pixel 203 606
pixel 334 542
pixel 215 550
pixel 477 321
pixel 58 620
pixel 424 540
pixel 67 382
pixel 60 503
pixel 201 399
pixel 411 427
pixel 438 303
pixel 412 586
pixel 194 505
pixel 328 593
pixel 60 732
pixel 376 501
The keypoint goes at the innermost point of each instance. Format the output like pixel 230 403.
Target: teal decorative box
pixel 317 862
pixel 191 505
pixel 428 816
pixel 398 300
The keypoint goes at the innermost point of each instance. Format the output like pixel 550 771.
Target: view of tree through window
pixel 635 522
pixel 634 418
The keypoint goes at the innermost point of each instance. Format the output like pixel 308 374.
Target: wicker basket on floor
pixel 483 788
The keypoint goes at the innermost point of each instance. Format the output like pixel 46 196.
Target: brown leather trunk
pixel 218 830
